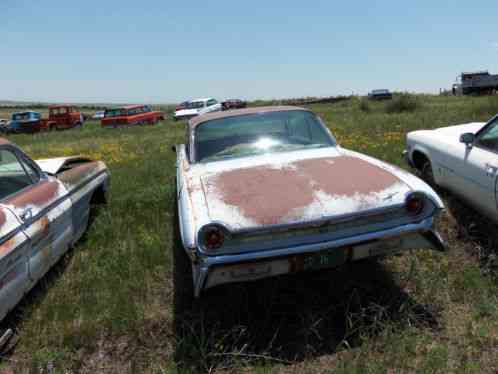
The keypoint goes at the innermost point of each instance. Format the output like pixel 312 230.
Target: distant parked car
pixel 463 159
pixel 99 114
pixel 62 117
pixel 233 104
pixel 381 94
pixel 26 122
pixel 44 210
pixel 181 106
pixel 131 115
pixel 196 107
pixel 268 191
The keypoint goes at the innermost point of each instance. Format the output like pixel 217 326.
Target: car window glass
pixel 13 177
pixel 254 134
pixel 298 128
pixel 489 138
pixel 30 170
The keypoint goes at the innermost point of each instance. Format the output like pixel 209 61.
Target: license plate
pixel 326 259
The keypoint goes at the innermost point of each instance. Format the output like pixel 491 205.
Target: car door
pixel 476 170
pixel 14 247
pixel 44 209
pixel 14 243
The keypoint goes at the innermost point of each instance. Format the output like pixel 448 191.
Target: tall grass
pixel 108 305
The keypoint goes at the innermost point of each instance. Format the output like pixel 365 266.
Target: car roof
pixel 127 106
pixel 202 99
pixel 25 112
pixel 241 112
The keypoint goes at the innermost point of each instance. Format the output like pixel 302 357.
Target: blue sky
pixel 165 51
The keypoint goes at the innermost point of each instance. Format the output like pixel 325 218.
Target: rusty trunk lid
pixel 293 189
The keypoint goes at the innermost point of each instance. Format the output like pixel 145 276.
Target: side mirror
pixel 467 138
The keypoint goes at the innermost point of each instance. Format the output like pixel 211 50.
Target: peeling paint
pixel 300 190
pixel 38 195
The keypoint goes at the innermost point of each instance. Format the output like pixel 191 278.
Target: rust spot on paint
pixel 345 176
pixel 268 195
pixel 39 195
pixel 3 219
pixel 43 225
pixel 8 246
pixel 264 194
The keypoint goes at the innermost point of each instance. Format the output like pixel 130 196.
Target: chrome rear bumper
pixel 211 271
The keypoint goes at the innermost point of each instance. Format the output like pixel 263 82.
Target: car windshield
pixel 194 105
pixel 259 133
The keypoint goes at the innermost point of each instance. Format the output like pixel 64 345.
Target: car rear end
pixel 227 256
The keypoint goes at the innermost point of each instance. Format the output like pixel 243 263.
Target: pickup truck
pixel 463 159
pixel 25 122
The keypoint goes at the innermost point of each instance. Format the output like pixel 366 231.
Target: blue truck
pixel 25 122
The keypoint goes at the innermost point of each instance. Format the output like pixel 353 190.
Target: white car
pixel 463 159
pixel 99 114
pixel 267 191
pixel 196 107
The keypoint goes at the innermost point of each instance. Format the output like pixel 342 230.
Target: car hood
pixel 298 187
pixel 454 132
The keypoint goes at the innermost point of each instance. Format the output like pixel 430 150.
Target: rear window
pixel 259 133
pixel 58 111
pixel 20 116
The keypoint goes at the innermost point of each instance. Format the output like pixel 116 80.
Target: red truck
pixel 131 115
pixel 62 117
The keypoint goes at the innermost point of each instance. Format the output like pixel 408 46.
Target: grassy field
pixel 108 306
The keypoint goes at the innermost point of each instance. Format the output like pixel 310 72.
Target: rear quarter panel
pixel 81 182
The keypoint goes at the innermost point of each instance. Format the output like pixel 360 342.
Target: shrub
pixel 402 103
pixel 487 107
pixel 365 106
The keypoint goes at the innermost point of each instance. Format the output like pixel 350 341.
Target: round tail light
pixel 213 238
pixel 414 204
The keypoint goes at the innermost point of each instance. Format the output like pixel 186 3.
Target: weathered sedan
pixel 44 210
pixel 268 191
pixel 463 159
